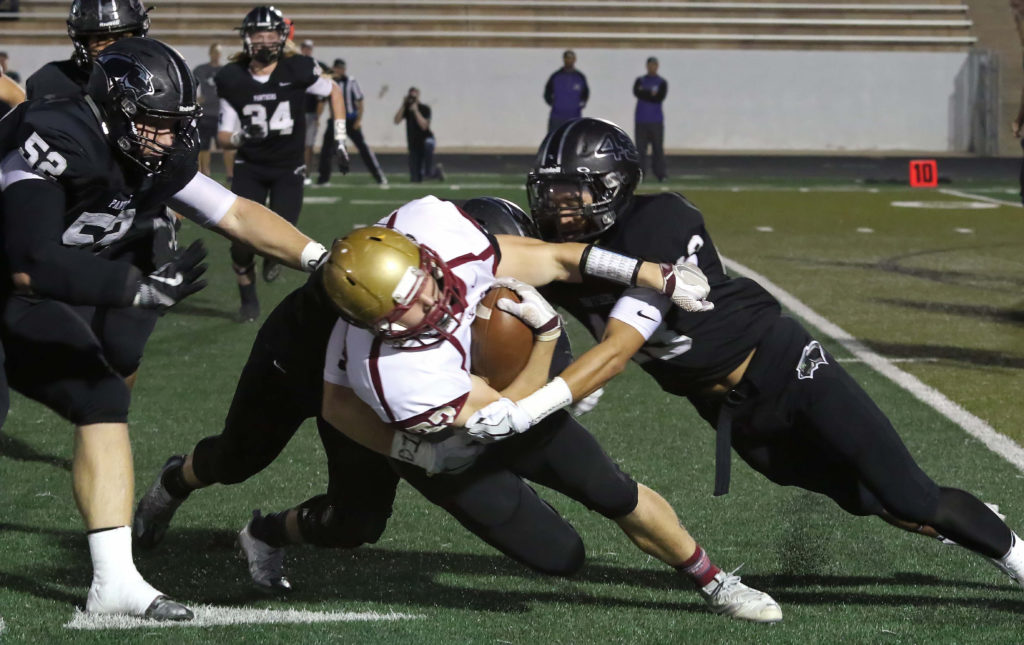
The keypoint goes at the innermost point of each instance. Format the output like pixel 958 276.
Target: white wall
pixel 717 99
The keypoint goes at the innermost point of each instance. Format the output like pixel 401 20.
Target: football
pixel 501 342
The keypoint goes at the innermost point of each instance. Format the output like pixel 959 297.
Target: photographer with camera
pixel 419 138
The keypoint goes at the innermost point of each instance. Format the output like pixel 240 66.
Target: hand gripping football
pixel 501 342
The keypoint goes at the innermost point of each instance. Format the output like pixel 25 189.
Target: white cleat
pixel 1012 564
pixel 725 594
pixel 266 563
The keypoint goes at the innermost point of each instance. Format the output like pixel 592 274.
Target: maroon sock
pixel 699 568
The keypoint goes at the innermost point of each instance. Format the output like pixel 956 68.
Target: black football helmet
pixel 264 18
pixel 101 17
pixel 584 176
pixel 142 80
pixel 500 216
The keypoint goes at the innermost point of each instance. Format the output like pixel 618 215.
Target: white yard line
pixel 984 198
pixel 209 615
pixel 972 425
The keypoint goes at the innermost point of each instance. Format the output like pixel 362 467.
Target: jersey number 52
pixel 38 155
pixel 280 120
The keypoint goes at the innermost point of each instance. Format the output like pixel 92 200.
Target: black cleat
pixel 249 311
pixel 163 608
pixel 271 270
pixel 156 508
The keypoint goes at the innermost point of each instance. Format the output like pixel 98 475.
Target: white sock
pixel 117 586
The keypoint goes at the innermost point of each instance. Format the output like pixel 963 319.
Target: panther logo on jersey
pixel 812 358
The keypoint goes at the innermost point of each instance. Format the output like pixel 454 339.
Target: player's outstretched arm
pixel 270 235
pixel 539 263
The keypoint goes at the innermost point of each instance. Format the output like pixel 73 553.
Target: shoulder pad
pixel 61 139
pixel 57 79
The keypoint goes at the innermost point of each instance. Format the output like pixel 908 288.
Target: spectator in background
pixel 419 138
pixel 566 92
pixel 314 106
pixel 1017 6
pixel 7 71
pixel 211 111
pixel 650 91
pixel 353 125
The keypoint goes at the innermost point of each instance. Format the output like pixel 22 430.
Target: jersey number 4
pixel 281 121
pixel 38 155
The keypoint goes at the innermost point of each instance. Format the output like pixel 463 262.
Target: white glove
pixel 499 420
pixel 536 312
pixel 587 403
pixel 452 455
pixel 687 285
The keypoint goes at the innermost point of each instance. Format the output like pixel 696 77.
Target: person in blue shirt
pixel 650 91
pixel 566 92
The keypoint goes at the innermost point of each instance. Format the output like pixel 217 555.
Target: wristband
pixel 601 263
pixel 312 256
pixel 406 447
pixel 237 138
pixel 339 130
pixel 553 396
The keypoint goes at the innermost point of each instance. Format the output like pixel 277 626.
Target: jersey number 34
pixel 281 121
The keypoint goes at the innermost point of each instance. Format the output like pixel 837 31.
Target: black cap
pixel 339 61
pixel 652 59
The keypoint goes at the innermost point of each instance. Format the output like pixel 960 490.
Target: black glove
pixel 342 153
pixel 173 281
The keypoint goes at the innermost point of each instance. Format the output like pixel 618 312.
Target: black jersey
pixel 278 105
pixel 57 80
pixel 689 351
pixel 297 330
pixel 62 141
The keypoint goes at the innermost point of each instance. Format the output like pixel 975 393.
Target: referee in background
pixel 354 126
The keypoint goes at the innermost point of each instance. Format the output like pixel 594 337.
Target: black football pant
pixel 267 409
pixel 283 187
pixel 653 135
pixel 815 427
pixel 54 357
pixel 493 501
pixel 327 154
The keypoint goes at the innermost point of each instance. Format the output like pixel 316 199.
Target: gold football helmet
pixel 375 274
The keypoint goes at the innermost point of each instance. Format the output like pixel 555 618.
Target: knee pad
pixel 103 401
pixel 243 258
pixel 324 525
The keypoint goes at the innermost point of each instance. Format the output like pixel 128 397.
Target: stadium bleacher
pixel 926 25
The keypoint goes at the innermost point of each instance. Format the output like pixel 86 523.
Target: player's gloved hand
pixel 449 456
pixel 173 281
pixel 341 139
pixel 251 133
pixel 587 403
pixel 687 285
pixel 536 312
pixel 499 420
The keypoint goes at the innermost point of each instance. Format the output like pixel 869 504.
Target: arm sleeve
pixel 33 225
pixel 641 309
pixel 662 91
pixel 321 87
pixel 549 90
pixel 228 120
pixel 203 200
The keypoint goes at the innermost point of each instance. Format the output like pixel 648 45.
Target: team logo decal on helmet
pixel 584 177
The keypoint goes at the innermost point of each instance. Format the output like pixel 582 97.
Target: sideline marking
pixel 865 229
pixel 947 205
pixel 210 615
pixel 322 199
pixel 1000 444
pixel 984 198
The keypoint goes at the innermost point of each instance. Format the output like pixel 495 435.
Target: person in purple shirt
pixel 566 92
pixel 650 91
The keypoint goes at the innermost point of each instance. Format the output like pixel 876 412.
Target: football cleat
pixel 249 311
pixel 156 508
pixel 134 597
pixel 163 608
pixel 1012 564
pixel 271 270
pixel 266 563
pixel 725 594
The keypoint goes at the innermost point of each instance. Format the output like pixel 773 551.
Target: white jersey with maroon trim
pixel 419 390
